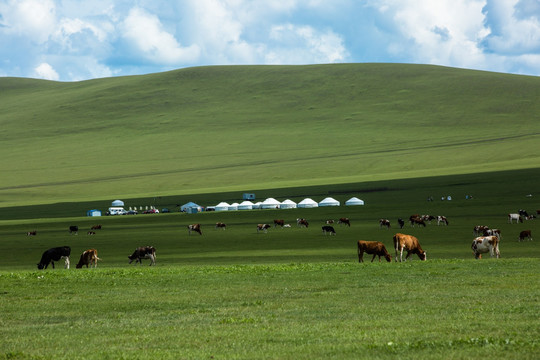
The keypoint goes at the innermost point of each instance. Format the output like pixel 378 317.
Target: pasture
pixel 288 294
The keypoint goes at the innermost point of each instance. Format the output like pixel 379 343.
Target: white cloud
pixel 46 71
pixel 515 27
pixel 304 44
pixel 146 33
pixel 34 19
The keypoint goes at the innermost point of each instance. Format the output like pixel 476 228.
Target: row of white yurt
pixel 272 203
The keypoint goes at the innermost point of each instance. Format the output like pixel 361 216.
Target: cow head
pixel 40 266
pixel 422 255
pixel 388 257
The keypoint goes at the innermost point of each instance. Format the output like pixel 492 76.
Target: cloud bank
pixel 71 40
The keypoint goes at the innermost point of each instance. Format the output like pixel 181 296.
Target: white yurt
pixel 307 203
pixel 257 205
pixel 222 206
pixel 270 203
pixel 245 205
pixel 287 204
pixel 354 201
pixel 233 207
pixel 329 202
pixel 117 203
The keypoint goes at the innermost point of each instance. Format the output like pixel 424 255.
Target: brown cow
pixel 525 234
pixel 302 223
pixel 263 227
pixel 384 222
pixel 345 221
pixel 376 248
pixel 442 220
pixel 96 227
pixel 220 225
pixel 194 227
pixel 88 257
pixel 417 220
pixel 409 243
pixel 279 222
pixel 31 233
pixel 479 229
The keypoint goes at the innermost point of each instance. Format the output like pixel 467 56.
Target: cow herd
pixel 486 240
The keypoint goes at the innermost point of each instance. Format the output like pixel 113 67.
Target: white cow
pixel 512 217
pixel 484 244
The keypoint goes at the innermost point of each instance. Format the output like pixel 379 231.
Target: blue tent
pixel 185 207
pixel 93 212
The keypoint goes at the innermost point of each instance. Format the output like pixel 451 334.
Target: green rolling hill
pixel 236 128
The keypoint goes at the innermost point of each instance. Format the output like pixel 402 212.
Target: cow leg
pixel 52 263
pixel 360 255
pixel 373 258
pixel 67 263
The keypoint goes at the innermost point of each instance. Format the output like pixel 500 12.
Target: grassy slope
pixel 259 127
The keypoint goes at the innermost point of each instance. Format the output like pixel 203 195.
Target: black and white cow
pixel 143 252
pixel 55 254
pixel 74 229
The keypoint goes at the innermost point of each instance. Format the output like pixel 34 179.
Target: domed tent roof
pixel 188 205
pixel 354 201
pixel 307 203
pixel 245 205
pixel 287 204
pixel 329 202
pixel 257 205
pixel 233 206
pixel 222 206
pixel 270 203
pixel 117 203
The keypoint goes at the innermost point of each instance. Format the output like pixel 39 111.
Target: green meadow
pixel 393 135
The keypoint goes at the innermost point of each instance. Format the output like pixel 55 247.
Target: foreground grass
pixel 436 309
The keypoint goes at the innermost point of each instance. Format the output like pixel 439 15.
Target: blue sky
pixel 71 40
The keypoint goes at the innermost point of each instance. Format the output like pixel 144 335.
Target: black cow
pixel 54 254
pixel 401 223
pixel 143 252
pixel 74 229
pixel 328 229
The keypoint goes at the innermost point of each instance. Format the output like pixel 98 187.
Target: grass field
pixel 290 293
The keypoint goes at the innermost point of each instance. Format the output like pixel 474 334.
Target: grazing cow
pixel 428 218
pixel 55 254
pixel 31 233
pixel 220 225
pixel 263 227
pixel 479 229
pixel 401 223
pixel 194 227
pixel 143 252
pixel 74 229
pixel 91 233
pixel 287 225
pixel 484 244
pixel 328 229
pixel 329 222
pixel 512 217
pixel 376 248
pixel 88 257
pixel 96 227
pixel 279 222
pixel 417 220
pixel 442 219
pixel 525 234
pixel 345 221
pixel 384 222
pixel 409 243
pixel 523 213
pixel 302 222
pixel 492 232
